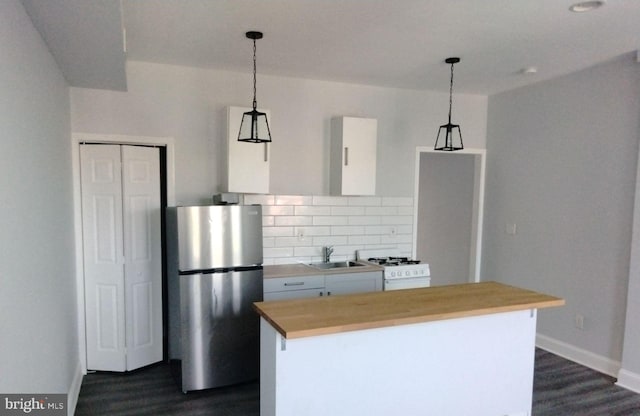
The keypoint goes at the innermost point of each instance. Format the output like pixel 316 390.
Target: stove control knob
pixel 407 273
pixel 393 274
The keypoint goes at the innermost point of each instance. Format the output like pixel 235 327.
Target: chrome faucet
pixel 326 253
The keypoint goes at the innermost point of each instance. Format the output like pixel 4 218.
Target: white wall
pixel 38 345
pixel 561 165
pixel 189 104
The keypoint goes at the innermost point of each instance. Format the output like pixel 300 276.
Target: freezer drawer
pixel 220 331
pixel 219 236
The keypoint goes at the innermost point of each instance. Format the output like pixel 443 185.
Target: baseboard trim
pixel 629 380
pixel 571 352
pixel 74 390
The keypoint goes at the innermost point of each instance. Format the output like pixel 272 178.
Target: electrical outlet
pixel 579 321
pixel 511 229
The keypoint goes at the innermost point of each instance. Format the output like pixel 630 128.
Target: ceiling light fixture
pixel 586 6
pixel 450 144
pixel 254 127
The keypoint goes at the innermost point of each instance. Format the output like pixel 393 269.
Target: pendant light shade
pixel 451 135
pixel 254 127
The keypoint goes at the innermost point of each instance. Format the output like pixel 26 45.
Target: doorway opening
pixel 448 212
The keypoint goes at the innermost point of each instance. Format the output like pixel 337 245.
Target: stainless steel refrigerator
pixel 213 329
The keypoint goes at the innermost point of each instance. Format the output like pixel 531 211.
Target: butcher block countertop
pixel 300 318
pixel 301 269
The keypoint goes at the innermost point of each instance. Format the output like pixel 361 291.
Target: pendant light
pixel 451 143
pixel 254 127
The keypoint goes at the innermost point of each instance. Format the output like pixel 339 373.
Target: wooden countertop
pixel 300 318
pixel 301 269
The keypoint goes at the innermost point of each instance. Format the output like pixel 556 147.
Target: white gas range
pixel 399 272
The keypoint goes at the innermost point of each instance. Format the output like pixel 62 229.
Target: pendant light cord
pixel 451 94
pixel 255 103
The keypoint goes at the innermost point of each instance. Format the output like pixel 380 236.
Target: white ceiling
pixel 400 43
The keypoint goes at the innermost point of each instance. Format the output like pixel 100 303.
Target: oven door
pixel 406 283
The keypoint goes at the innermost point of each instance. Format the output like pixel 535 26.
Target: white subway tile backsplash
pixel 397 219
pixel 293 200
pixel 307 251
pixel 330 220
pixel 347 230
pixel 268 242
pixel 277 210
pixel 347 210
pixel 364 220
pixel 291 241
pixel 330 240
pixel 330 200
pixel 405 210
pixel 405 229
pixel 397 201
pixel 267 220
pixel 381 211
pixel 295 228
pixel 364 200
pixel 364 239
pixel 293 220
pixel 277 232
pixel 311 210
pixel 277 252
pixel 250 199
pixel 312 231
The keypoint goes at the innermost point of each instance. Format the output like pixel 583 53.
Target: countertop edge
pixel 372 321
pixel 276 271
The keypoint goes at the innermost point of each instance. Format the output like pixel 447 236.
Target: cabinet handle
pixel 328 293
pixel 294 284
pixel 346 156
pixel 266 152
pixel 320 294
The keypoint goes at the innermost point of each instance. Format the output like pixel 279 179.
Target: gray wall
pixel 445 215
pixel 561 164
pixel 38 345
pixel 631 352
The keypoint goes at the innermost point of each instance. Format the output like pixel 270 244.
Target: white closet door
pixel 122 256
pixel 143 254
pixel 103 256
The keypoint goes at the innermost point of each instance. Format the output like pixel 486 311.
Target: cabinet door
pixel 247 163
pixel 293 294
pixel 294 283
pixel 342 284
pixel 353 157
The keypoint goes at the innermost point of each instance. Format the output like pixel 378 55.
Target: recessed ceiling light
pixel 530 70
pixel 586 6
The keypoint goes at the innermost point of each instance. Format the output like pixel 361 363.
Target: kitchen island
pixel 449 350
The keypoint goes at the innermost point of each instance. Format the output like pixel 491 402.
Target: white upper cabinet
pixel 248 163
pixel 353 156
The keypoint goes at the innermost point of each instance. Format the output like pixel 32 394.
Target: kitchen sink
pixel 335 265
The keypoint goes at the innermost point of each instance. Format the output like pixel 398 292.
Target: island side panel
pixel 478 365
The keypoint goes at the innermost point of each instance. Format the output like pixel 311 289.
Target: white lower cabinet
pixel 342 284
pixel 298 287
